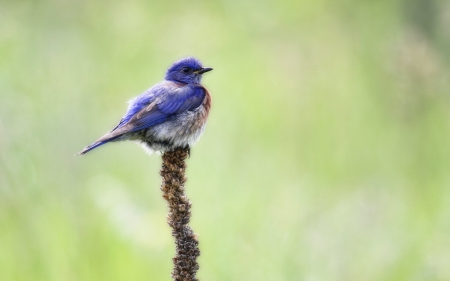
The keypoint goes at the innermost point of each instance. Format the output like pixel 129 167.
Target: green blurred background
pixel 326 155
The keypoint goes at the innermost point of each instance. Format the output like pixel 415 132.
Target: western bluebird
pixel 170 114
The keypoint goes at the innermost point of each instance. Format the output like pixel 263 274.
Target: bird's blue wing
pixel 166 106
pixel 169 103
pixel 140 102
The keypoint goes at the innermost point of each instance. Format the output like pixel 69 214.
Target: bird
pixel 171 114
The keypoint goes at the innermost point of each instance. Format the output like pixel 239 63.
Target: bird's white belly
pixel 183 130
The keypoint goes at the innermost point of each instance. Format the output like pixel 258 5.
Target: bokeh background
pixel 326 155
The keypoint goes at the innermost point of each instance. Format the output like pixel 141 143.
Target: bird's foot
pixel 188 148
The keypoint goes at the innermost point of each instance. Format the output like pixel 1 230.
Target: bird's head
pixel 187 70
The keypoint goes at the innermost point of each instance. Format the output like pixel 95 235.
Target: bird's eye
pixel 186 69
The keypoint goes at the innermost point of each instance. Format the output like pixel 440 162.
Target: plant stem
pixel 172 186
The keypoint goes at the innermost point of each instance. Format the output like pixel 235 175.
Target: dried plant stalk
pixel 172 186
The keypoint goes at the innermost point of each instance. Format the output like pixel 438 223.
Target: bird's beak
pixel 203 70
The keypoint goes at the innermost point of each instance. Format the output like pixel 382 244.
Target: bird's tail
pixel 101 141
pixel 91 146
